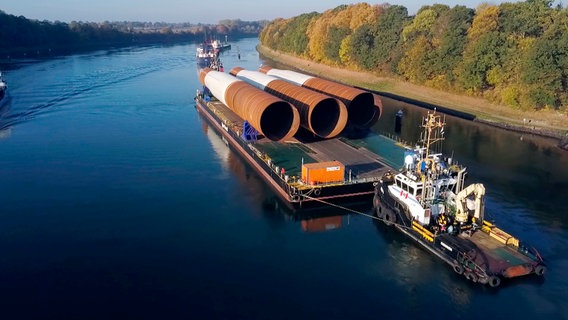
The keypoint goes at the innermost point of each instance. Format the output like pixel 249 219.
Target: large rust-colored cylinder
pixel 272 117
pixel 321 114
pixel 362 107
pixel 379 109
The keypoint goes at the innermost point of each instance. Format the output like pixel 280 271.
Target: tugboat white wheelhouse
pixel 428 202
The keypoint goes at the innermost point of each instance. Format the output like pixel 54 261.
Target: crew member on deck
pixel 442 222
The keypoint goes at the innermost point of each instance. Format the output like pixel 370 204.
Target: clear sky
pixel 194 11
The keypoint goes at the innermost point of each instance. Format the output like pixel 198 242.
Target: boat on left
pixel 3 86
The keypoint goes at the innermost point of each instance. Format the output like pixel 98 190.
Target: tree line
pixel 515 54
pixel 20 35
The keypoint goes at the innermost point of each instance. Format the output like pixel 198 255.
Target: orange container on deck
pixel 323 172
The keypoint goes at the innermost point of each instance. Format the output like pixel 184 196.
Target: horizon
pixel 172 11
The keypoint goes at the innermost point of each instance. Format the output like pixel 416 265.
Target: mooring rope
pixel 341 207
pixel 356 212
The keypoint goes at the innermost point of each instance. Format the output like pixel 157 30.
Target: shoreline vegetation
pixel 22 38
pixel 506 64
pixel 547 123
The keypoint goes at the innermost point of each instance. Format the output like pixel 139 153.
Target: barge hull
pixel 294 195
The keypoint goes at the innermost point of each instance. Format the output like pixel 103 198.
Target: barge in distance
pixel 296 148
pixel 427 201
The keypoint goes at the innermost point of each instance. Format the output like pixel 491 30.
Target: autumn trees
pixel 515 54
pixel 20 36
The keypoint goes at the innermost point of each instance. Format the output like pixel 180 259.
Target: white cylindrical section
pixel 218 82
pixel 290 76
pixel 255 78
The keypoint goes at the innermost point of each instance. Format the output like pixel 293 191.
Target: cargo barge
pixel 427 201
pixel 304 172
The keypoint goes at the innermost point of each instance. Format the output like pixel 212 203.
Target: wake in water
pixel 56 81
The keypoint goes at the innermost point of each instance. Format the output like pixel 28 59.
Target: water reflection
pixel 322 224
pixel 273 210
pixel 219 144
pixel 413 269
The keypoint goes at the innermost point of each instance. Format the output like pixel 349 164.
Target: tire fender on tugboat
pixel 377 205
pixel 471 276
pixel 389 217
pixel 317 192
pixel 540 270
pixel 458 268
pixel 494 281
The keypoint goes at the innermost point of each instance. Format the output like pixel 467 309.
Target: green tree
pixel 526 19
pixel 453 42
pixel 545 69
pixel 480 57
pixel 335 36
pixel 341 21
pixel 295 39
pixel 421 41
pixel 385 46
pixel 362 44
pixel 483 50
pixel 414 66
pixel 421 24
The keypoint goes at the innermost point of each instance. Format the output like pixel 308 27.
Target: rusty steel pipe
pixel 321 114
pixel 272 117
pixel 362 106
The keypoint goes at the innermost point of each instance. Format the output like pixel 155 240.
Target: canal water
pixel 117 200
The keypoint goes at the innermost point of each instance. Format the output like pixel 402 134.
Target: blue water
pixel 118 201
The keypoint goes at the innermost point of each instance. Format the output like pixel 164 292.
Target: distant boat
pixel 221 46
pixel 3 87
pixel 205 54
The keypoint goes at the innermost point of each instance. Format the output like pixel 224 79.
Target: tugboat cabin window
pixel 399 183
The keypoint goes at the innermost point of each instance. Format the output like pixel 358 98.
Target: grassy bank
pixel 545 122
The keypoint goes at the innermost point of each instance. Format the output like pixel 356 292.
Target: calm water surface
pixel 118 201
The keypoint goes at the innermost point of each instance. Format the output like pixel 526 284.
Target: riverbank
pixel 548 123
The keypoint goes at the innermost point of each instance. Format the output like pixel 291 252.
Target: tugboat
pixel 205 54
pixel 427 201
pixel 3 87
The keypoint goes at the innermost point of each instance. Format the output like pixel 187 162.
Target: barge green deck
pixel 363 164
pixel 358 155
